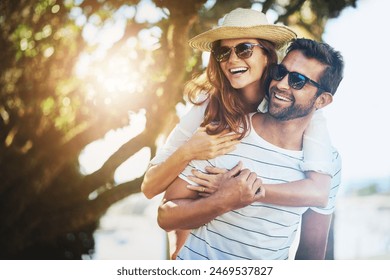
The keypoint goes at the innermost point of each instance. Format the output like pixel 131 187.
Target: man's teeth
pixel 281 97
pixel 238 70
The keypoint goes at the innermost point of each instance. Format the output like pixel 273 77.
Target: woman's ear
pixel 323 100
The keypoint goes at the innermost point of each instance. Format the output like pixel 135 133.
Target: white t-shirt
pixel 258 231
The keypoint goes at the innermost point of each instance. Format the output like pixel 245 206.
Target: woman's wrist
pixel 184 153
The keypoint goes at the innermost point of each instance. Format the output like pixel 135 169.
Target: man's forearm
pixel 188 213
pixel 184 209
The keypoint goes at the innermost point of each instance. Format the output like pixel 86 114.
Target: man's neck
pixel 284 134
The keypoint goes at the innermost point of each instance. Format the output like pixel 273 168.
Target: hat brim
pixel 277 34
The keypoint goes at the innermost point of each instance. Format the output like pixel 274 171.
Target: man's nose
pixel 283 83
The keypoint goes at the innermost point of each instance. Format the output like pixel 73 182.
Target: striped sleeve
pixel 181 133
pixel 335 184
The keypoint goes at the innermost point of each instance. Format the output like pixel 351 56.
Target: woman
pixel 243 48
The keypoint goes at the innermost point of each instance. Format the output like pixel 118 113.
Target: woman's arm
pixel 317 146
pixel 185 143
pixel 311 192
pixel 199 146
pixel 158 177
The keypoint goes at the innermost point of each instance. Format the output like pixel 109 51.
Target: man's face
pixel 287 103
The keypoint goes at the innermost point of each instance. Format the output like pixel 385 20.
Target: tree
pixel 50 112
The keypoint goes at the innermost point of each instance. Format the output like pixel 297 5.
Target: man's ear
pixel 323 100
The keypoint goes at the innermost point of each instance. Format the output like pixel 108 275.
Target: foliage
pixel 368 190
pixel 51 107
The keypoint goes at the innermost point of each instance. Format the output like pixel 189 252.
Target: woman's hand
pixel 211 181
pixel 237 187
pixel 203 146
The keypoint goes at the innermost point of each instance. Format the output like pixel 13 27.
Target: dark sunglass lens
pixel 222 53
pixel 244 50
pixel 296 80
pixel 278 72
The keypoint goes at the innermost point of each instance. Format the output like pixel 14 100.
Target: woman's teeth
pixel 238 70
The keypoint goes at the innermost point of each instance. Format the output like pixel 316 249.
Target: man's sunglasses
pixel 295 80
pixel 242 50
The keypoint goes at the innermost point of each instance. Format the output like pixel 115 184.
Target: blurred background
pixel 89 89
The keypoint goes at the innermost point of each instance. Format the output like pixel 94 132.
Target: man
pixel 235 222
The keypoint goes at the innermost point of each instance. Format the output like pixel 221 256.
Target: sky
pixel 357 118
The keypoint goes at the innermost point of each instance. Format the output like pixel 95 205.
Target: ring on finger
pixel 203 189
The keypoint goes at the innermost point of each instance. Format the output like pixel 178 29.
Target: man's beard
pixel 292 112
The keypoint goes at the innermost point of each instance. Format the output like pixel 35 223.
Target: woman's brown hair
pixel 227 108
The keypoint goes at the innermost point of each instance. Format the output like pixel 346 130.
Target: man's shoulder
pixel 336 156
pixel 336 164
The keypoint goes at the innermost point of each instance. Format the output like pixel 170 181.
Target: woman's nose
pixel 233 56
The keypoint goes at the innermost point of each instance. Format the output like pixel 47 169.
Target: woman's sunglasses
pixel 295 80
pixel 242 50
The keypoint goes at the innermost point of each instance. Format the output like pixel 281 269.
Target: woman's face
pixel 244 73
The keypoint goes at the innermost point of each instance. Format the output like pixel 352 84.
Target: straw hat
pixel 244 23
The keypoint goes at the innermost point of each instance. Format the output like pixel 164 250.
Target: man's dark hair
pixel 324 53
